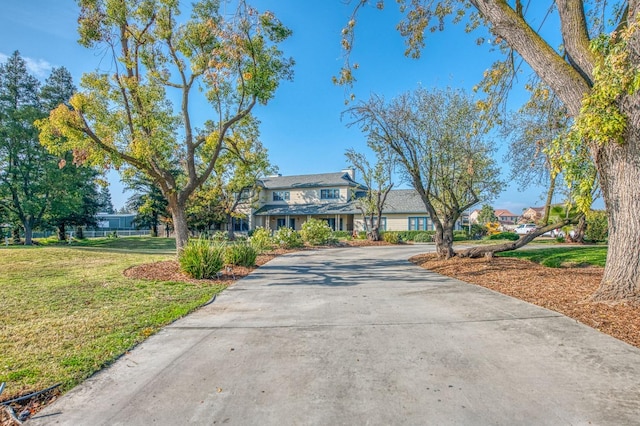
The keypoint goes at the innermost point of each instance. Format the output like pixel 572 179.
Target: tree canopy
pixel 126 116
pixel 590 61
pixel 438 142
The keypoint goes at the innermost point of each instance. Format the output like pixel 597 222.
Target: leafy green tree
pixel 74 201
pixel 128 117
pixel 26 169
pixel 236 178
pixel 377 179
pixel 437 139
pixel 234 185
pixel 150 206
pixel 74 197
pixel 594 73
pixel 487 215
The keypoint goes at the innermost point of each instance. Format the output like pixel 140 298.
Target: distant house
pixel 115 221
pixel 505 218
pixel 531 215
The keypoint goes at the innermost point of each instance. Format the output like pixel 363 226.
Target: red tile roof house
pixel 506 219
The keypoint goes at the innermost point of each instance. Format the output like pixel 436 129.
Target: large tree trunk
pixel 619 170
pixel 180 228
pixel 28 233
pixel 230 233
pixel 444 240
pixel 373 234
pixel 62 232
pixel 490 250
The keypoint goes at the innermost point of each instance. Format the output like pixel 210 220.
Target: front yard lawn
pixel 556 257
pixel 65 313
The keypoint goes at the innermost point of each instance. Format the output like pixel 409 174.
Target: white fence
pixel 119 233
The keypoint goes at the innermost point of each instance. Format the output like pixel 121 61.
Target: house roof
pixel 307 209
pixel 309 181
pixel 539 210
pixel 404 201
pixel 504 212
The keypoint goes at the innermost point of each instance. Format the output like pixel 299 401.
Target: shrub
pixel 220 236
pixel 288 238
pixel 341 235
pixel 477 231
pixel 460 235
pixel 201 259
pixel 261 239
pixel 316 232
pixel 597 226
pixel 424 237
pixel 503 236
pixel 241 254
pixel 391 237
pixel 417 236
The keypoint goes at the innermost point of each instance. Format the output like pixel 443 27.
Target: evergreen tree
pixel 26 172
pixel 105 205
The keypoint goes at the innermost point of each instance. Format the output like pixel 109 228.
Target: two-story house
pixel 289 201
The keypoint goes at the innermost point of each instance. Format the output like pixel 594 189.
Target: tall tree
pixel 596 75
pixel 74 198
pixel 438 140
pixel 127 117
pixel 487 215
pixel 378 180
pixel 104 200
pixel 150 206
pixel 26 175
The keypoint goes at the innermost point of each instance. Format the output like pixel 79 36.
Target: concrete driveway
pixel 360 336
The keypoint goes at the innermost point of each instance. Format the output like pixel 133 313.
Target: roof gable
pixel 404 201
pixel 309 181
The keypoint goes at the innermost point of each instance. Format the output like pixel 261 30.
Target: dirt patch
pixel 566 290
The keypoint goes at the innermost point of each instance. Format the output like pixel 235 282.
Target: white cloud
pixel 38 67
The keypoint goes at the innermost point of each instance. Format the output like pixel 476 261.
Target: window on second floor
pixel 280 195
pixel 329 194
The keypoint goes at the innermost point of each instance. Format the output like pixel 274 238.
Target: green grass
pixel 133 244
pixel 68 312
pixel 562 256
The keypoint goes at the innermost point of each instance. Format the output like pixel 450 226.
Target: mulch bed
pixel 564 290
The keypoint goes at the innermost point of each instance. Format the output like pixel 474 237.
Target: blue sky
pixel 301 126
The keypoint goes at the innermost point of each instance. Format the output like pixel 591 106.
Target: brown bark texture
pixel 618 165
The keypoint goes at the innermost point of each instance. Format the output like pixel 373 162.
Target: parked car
pixel 525 228
pixel 554 233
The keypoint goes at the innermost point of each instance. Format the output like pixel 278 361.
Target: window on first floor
pixel 420 223
pixel 329 194
pixel 240 224
pixel 331 222
pixel 280 195
pixel 281 222
pixel 383 223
